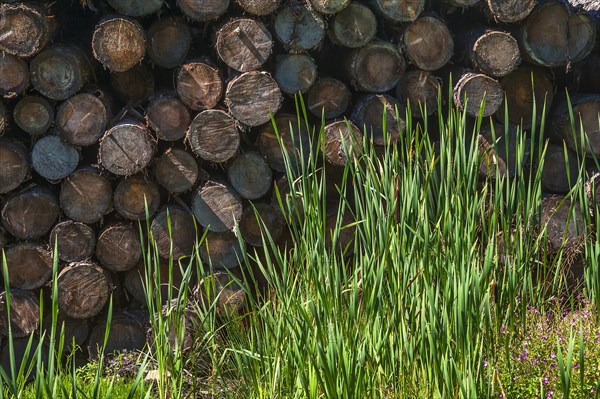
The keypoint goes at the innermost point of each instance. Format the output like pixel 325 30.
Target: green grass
pixel 411 276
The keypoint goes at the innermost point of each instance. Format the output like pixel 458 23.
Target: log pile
pixel 112 107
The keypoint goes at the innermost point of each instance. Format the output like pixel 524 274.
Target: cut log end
pixel 178 239
pixel 168 117
pixel 259 219
pixel 354 26
pixel 15 76
pixel 126 334
pixel 199 85
pixel 134 85
pixel 328 98
pixel 24 29
pixel 134 196
pixel 82 119
pixel 376 67
pixel 339 137
pixel 168 42
pixel 510 11
pixel 126 148
pixel 495 53
pixel 74 241
pixel 244 44
pixel 30 214
pixel 176 170
pixel 418 90
pixel 14 164
pixel 298 28
pixel 250 175
pixel 328 7
pixel 221 250
pixel 295 73
pixel 476 92
pixel 119 43
pixel 203 10
pixel 34 115
pixel 213 136
pixel 136 8
pixel 83 290
pixel 24 313
pixel 400 10
pixel 428 43
pixel 556 176
pixel 29 265
pixel 118 248
pixel 217 207
pixel 368 114
pixel 242 100
pixel 295 139
pixel 86 196
pixel 53 159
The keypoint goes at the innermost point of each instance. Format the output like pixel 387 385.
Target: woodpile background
pixel 108 105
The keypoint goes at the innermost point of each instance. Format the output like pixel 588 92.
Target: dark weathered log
pixel 586 109
pixel 14 164
pixel 136 284
pixel 213 136
pixel 400 10
pixel 199 85
pixel 126 148
pixel 259 219
pixel 506 145
pixel 428 43
pixel 86 196
pixel 136 8
pixel 475 92
pixel 418 90
pixel 491 165
pixel 119 43
pixel 250 175
pixel 134 85
pixel 328 98
pixel 354 26
pixel 177 240
pixel 134 195
pixel 244 44
pixel 368 115
pixel 563 225
pixel 118 248
pixel 295 73
pixel 510 11
pixel 221 250
pixel 14 76
pixel 74 241
pixel 585 78
pixel 217 207
pixel 252 97
pixel 298 28
pixel 31 213
pixel 339 137
pixel 23 357
pixel 24 313
pixel 25 28
pixel 83 289
pixel 54 159
pixel 34 114
pixel 203 10
pixel 553 36
pixel 329 6
pixel 168 117
pixel 59 71
pixel 126 334
pixel 168 42
pixel 3 117
pixel 29 265
pixel 463 3
pixel 82 119
pixel 520 94
pixel 557 176
pixel 494 52
pixel 259 7
pixel 343 244
pixel 176 170
pixel 375 68
pixel 70 331
pixel 293 135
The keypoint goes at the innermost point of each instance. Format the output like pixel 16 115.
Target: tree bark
pixel 169 41
pixel 244 44
pixel 298 28
pixel 59 71
pixel 126 148
pixel 118 248
pixel 199 85
pixel 119 43
pixel 29 265
pixel 34 115
pixel 176 170
pixel 250 175
pixel 83 289
pixel 75 241
pixel 243 103
pixel 214 136
pixel 217 207
pixel 134 195
pixel 31 213
pixel 14 164
pixel 53 159
pixel 374 68
pixel 86 196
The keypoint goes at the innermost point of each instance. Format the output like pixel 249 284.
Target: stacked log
pixel 161 113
